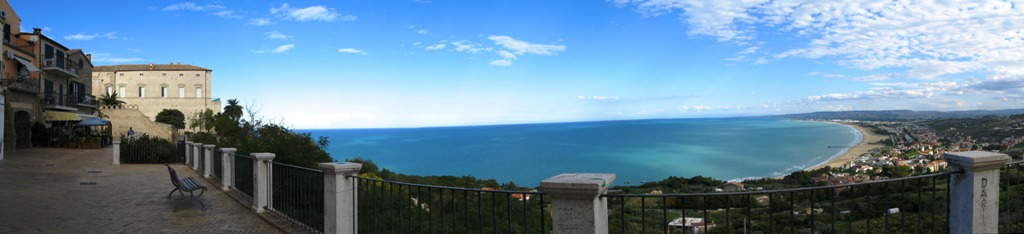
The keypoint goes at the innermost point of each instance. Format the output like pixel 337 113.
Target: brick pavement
pixel 41 190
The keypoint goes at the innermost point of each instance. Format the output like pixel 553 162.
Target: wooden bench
pixel 189 185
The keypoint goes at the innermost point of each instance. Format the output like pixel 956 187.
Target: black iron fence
pixel 148 150
pixel 297 193
pixel 1011 198
pixel 243 175
pixel 913 204
pixel 201 159
pixel 218 165
pixel 182 153
pixel 398 207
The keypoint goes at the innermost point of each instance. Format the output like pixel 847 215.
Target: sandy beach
pixel 868 142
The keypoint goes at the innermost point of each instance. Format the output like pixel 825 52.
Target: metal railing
pixel 218 165
pixel 1011 198
pixel 21 83
pixel 243 175
pixel 399 207
pixel 201 159
pixel 872 207
pixel 67 65
pixel 54 99
pixel 297 194
pixel 181 151
pixel 86 100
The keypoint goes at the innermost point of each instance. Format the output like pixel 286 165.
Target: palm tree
pixel 233 110
pixel 110 100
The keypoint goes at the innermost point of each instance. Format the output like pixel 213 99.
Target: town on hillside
pixel 56 97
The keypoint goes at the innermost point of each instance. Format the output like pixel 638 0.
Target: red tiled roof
pixel 150 67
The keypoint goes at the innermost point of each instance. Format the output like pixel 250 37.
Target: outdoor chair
pixel 189 185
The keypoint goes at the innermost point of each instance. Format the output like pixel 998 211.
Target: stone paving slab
pixel 48 190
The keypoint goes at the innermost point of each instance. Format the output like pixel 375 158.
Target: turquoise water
pixel 635 150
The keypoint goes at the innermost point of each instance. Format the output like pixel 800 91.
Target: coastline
pixel 865 145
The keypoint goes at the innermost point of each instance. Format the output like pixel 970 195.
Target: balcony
pixel 57 101
pixel 83 100
pixel 23 84
pixel 61 67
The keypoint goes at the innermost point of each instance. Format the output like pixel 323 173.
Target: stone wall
pixel 122 119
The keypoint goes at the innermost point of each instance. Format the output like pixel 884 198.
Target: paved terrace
pixel 48 190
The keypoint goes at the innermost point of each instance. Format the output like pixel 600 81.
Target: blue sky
pixel 371 64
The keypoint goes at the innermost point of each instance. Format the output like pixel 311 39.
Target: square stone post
pixel 196 147
pixel 227 170
pixel 576 203
pixel 340 200
pixel 208 161
pixel 117 152
pixel 974 193
pixel 188 153
pixel 261 187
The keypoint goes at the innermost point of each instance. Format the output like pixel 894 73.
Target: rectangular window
pixel 163 91
pixel 120 91
pixel 110 90
pixel 142 91
pixel 199 92
pixel 181 92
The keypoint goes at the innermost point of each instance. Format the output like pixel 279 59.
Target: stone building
pixel 154 87
pixel 20 79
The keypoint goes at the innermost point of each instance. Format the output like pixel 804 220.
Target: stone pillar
pixel 227 172
pixel 974 193
pixel 117 152
pixel 340 202
pixel 576 203
pixel 261 187
pixel 208 161
pixel 188 153
pixel 196 147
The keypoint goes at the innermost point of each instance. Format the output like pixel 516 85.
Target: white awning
pixel 31 68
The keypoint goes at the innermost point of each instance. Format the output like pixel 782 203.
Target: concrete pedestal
pixel 974 200
pixel 340 202
pixel 227 171
pixel 576 205
pixel 261 187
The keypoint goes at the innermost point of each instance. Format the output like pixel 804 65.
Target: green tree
pixel 203 120
pixel 173 117
pixel 110 100
pixel 233 110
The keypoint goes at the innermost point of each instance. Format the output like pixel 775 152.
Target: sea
pixel 635 151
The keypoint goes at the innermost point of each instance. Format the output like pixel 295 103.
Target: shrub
pixel 146 149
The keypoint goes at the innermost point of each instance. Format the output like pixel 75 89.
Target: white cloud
pixel 283 48
pixel 86 37
pixel 279 50
pixel 513 49
pixel 260 22
pixel 879 93
pixel 466 46
pixel 826 75
pixel 506 54
pixel 522 47
pixel 422 31
pixel 930 40
pixel 312 13
pixel 352 51
pixel 278 35
pixel 502 62
pixel 191 7
pixel 436 46
pixel 598 98
pixel 227 14
pixel 107 58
